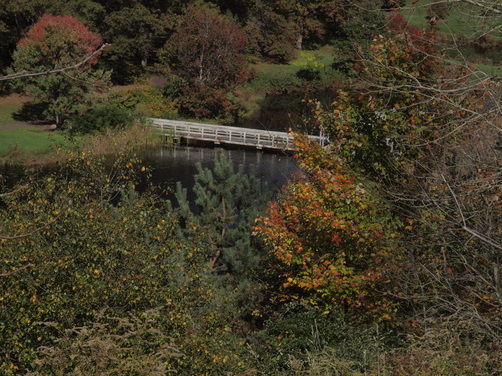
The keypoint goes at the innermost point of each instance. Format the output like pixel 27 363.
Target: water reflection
pixel 177 163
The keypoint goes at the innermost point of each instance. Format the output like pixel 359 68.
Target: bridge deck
pixel 220 134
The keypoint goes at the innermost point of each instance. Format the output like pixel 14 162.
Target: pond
pixel 171 164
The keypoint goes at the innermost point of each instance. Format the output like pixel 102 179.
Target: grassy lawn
pixel 33 144
pixel 459 20
pixel 281 76
pixel 25 139
pixel 460 23
pixel 30 140
pixel 324 56
pixel 276 91
pixel 6 111
pixel 492 70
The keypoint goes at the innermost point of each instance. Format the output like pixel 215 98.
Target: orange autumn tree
pixel 331 236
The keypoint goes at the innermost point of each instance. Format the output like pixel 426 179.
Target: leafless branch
pixel 16 270
pixel 83 81
pixel 487 5
pixel 38 229
pixel 60 70
pixel 14 191
pixel 464 226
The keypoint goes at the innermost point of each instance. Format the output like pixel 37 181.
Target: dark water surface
pixel 171 164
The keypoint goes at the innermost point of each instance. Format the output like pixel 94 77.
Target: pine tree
pixel 218 228
pixel 226 204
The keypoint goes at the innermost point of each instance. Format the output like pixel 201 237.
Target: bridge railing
pixel 227 134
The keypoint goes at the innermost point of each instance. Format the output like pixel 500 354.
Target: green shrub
pixel 278 82
pixel 149 102
pixel 299 336
pixel 100 118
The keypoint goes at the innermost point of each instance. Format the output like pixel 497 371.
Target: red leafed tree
pixel 53 43
pixel 206 53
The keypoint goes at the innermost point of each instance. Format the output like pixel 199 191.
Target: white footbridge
pixel 222 134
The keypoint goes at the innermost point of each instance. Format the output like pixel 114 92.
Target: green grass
pixel 28 140
pixel 459 22
pixel 271 69
pixel 492 70
pixel 6 111
pixel 281 77
pixel 323 55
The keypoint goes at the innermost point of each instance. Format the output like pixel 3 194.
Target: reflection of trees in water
pixel 173 164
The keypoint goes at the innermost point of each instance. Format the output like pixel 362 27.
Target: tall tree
pixel 218 227
pixel 276 28
pixel 132 32
pixel 206 53
pixel 315 21
pixel 271 34
pixel 428 130
pixel 56 42
pixel 16 17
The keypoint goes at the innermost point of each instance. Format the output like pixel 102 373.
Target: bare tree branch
pixel 490 6
pixel 40 228
pixel 464 226
pixel 14 191
pixel 60 70
pixel 487 5
pixel 16 270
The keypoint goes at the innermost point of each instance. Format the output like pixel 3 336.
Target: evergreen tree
pixel 218 229
pixel 226 204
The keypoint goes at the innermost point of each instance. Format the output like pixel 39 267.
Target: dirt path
pixel 13 126
pixel 13 98
pixel 39 127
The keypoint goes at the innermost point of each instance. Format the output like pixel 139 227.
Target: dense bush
pixel 100 118
pixel 83 254
pixel 276 82
pixel 88 263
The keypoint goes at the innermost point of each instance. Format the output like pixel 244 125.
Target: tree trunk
pixel 299 41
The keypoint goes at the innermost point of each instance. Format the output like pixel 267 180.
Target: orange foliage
pixel 332 235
